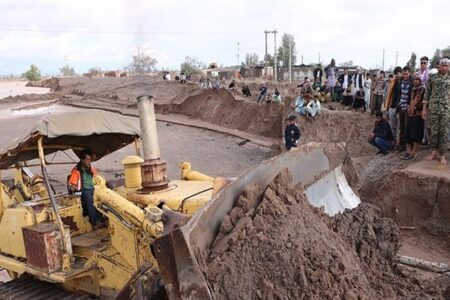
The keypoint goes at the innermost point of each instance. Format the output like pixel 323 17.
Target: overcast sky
pixel 107 33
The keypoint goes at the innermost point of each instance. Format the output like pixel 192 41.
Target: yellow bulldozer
pixel 50 250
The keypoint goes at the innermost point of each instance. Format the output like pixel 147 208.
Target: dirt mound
pixel 414 200
pixel 223 109
pixel 51 83
pixel 226 110
pixel 279 247
pixel 127 89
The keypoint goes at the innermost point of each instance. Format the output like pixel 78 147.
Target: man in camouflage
pixel 437 101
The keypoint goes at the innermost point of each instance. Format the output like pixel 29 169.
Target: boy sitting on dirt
pixel 291 133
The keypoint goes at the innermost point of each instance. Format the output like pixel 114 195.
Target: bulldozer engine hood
pixel 103 132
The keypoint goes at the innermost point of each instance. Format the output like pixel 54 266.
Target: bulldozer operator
pixel 81 180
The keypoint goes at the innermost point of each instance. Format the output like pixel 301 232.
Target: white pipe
pixel 149 132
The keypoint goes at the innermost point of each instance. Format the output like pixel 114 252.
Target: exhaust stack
pixel 154 170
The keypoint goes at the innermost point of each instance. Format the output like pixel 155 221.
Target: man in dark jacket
pixel 402 97
pixel 381 136
pixel 291 133
pixel 345 78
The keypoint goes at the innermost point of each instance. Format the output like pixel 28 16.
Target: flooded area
pixel 14 88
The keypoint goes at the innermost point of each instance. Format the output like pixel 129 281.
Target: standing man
pixel 331 72
pixel 358 80
pixel 436 100
pixel 318 74
pixel 344 78
pixel 406 86
pixel 81 180
pixel 393 100
pixel 423 71
pixel 378 93
pixel 424 74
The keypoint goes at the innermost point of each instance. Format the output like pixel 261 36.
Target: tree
pixel 191 65
pixel 67 71
pixel 95 71
pixel 269 59
pixel 142 63
pixel 286 49
pixel 411 64
pixel 436 57
pixel 33 74
pixel 446 52
pixel 251 59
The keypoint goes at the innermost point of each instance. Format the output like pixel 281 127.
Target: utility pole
pixel 265 56
pixel 237 53
pixel 382 65
pixel 396 58
pixel 139 60
pixel 290 61
pixel 275 54
pixel 319 58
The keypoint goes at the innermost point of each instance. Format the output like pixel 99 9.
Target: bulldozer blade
pixel 322 169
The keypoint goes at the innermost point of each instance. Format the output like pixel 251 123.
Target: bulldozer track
pixel 32 289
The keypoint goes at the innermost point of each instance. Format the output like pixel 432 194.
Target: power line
pixel 122 32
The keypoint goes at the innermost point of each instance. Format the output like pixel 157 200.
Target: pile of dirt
pixel 279 247
pixel 226 110
pixel 29 98
pixel 223 109
pixel 51 83
pixel 337 126
pixel 125 90
pixel 412 200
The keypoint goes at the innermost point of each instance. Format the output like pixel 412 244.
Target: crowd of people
pixel 417 112
pixel 410 109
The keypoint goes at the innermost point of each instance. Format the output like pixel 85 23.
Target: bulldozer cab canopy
pixel 103 132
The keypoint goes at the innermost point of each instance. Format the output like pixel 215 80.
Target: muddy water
pixel 14 88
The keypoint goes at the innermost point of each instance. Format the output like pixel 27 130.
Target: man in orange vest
pixel 81 180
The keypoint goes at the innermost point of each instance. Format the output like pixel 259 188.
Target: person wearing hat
pixel 291 133
pixel 416 124
pixel 437 108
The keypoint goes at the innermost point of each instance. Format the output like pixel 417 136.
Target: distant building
pixel 299 72
pixel 224 73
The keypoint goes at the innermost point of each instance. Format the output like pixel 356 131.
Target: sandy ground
pixel 14 88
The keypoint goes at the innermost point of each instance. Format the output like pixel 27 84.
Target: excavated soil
pixel 224 109
pixel 280 247
pixel 411 199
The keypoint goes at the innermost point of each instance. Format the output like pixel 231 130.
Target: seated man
pixel 300 105
pixel 232 87
pixel 322 94
pixel 276 97
pixel 382 136
pixel 246 91
pixel 81 180
pixel 313 107
pixel 359 101
pixel 262 94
